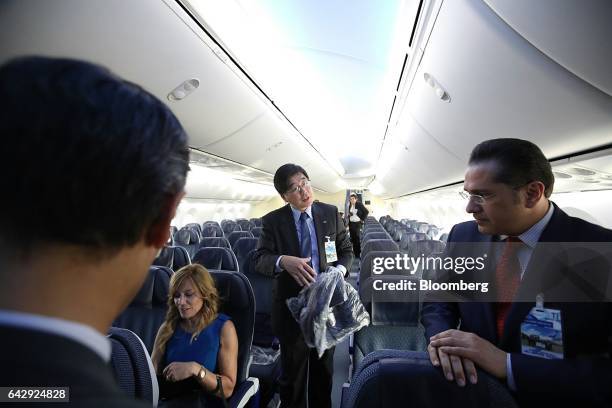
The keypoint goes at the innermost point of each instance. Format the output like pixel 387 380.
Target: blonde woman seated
pixel 196 348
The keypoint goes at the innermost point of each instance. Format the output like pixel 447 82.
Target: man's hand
pixel 454 367
pixel 299 269
pixel 177 371
pixel 470 346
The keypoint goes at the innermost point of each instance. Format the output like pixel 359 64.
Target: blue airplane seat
pixel 132 366
pixel 216 258
pixel 234 236
pixel 238 302
pixel 146 312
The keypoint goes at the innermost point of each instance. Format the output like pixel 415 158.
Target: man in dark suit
pixel 357 215
pixel 92 170
pixel 507 185
pixel 292 249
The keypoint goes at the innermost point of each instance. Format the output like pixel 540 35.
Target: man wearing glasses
pixel 547 350
pixel 292 248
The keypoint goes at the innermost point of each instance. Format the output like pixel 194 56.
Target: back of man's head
pixel 87 158
pixel 517 162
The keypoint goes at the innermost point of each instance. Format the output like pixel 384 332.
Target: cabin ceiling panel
pixel 265 145
pixel 146 43
pixel 575 34
pixel 501 86
pixel 418 162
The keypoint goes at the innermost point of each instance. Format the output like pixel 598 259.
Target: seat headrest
pixel 154 290
pixel 165 257
pixel 380 245
pixel 212 230
pixel 216 258
pixel 183 237
pixel 245 245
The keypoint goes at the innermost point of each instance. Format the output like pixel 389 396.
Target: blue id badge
pixel 330 251
pixel 542 333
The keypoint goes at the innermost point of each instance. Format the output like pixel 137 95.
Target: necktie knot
pixel 303 216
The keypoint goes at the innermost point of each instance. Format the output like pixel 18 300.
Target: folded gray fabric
pixel 328 310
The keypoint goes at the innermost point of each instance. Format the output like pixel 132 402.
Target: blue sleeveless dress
pixel 204 349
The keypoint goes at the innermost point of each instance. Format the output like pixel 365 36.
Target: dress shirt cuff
pixel 277 268
pixel 509 376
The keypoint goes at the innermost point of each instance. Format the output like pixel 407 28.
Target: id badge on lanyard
pixel 542 332
pixel 330 250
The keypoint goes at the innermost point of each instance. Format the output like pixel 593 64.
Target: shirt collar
pixel 532 235
pixel 78 332
pixel 296 213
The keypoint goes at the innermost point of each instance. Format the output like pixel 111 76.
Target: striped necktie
pixel 305 242
pixel 507 278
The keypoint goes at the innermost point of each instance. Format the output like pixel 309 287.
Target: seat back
pixel 216 258
pixel 165 257
pixel 409 238
pixel 378 245
pixel 256 231
pixel 181 258
pixel 245 224
pixel 387 376
pixel 188 239
pixel 374 235
pixel 132 366
pixel 230 226
pixel 425 247
pixel 262 289
pixel 234 236
pixel 195 227
pixel 211 242
pixel 211 230
pixel 369 267
pixel 241 249
pixel 238 302
pixel 256 221
pixel 147 310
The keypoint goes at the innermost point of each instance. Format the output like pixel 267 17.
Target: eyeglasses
pixel 300 187
pixel 480 199
pixel 476 198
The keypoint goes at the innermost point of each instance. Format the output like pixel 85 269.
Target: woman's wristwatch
pixel 202 373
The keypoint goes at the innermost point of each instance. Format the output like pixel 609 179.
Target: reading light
pixel 438 89
pixel 184 89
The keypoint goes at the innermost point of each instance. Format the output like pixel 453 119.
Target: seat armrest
pixel 245 392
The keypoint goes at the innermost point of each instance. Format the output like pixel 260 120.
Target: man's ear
pixel 159 232
pixel 534 192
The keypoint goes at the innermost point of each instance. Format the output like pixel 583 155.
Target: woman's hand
pixel 178 371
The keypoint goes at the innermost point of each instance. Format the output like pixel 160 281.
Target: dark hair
pixel 353 195
pixel 284 173
pixel 87 158
pixel 518 162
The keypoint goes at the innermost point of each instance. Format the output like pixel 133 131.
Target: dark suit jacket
pixel 279 237
pixel 585 374
pixel 362 211
pixel 38 359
